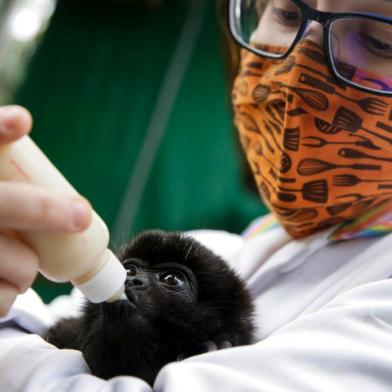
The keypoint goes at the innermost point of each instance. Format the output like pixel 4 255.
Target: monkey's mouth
pixel 125 304
pixel 131 298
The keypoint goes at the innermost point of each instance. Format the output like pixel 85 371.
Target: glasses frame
pixel 326 19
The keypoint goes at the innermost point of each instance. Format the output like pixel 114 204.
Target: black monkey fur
pixel 161 323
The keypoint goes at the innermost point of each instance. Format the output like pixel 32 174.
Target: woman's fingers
pixel 15 122
pixel 28 207
pixel 18 263
pixel 8 293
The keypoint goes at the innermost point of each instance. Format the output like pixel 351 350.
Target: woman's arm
pixel 345 346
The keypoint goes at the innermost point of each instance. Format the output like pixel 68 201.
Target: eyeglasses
pixel 358 45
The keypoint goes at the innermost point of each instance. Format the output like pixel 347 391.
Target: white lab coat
pixel 324 317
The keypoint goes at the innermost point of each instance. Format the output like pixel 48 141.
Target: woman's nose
pixel 314 32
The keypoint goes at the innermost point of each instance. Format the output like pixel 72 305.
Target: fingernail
pixel 80 214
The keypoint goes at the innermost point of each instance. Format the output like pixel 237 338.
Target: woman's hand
pixel 28 207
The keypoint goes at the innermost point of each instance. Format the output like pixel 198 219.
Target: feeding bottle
pixel 80 258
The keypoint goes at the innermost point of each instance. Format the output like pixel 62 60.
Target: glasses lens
pixel 362 52
pixel 271 26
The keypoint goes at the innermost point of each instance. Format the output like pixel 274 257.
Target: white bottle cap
pixel 107 282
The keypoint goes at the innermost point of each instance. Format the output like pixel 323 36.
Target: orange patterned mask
pixel 321 152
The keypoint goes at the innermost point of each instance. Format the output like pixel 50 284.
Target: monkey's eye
pixel 131 270
pixel 172 279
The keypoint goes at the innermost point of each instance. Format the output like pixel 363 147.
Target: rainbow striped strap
pixel 261 225
pixel 374 223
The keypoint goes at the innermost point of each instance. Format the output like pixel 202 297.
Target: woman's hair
pixel 231 56
pixel 231 51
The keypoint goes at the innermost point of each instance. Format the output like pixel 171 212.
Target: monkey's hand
pixel 212 346
pixel 208 347
pixel 65 333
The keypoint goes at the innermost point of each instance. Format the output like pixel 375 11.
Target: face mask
pixel 320 152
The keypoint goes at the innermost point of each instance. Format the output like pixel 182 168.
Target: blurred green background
pixel 131 102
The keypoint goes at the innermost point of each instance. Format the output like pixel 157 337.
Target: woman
pixel 313 106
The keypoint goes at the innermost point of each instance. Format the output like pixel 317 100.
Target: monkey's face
pixel 180 297
pixel 152 288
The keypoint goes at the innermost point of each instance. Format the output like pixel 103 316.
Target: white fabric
pixel 324 317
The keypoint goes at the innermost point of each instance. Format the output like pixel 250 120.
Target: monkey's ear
pixel 65 333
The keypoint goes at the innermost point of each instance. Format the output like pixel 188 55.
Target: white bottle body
pixel 63 257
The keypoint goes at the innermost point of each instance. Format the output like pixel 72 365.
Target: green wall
pixel 94 85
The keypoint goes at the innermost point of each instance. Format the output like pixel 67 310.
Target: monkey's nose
pixel 137 282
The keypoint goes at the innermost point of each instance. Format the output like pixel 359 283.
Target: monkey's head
pixel 181 297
